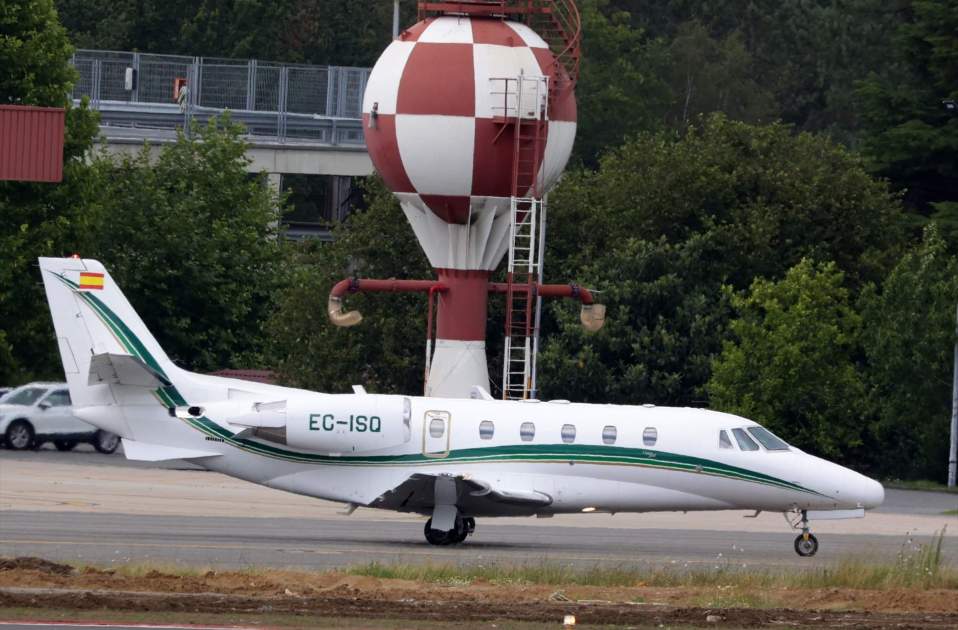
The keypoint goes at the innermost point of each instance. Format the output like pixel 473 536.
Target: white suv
pixel 40 412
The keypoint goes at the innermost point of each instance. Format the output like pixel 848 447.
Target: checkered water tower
pixel 470 118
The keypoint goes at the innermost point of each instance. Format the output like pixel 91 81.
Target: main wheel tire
pixel 436 536
pixel 64 445
pixel 464 527
pixel 806 547
pixel 19 435
pixel 105 442
pixel 458 536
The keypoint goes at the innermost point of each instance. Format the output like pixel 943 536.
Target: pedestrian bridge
pixel 301 120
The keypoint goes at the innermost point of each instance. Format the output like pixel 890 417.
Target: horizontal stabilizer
pixel 124 369
pixel 145 452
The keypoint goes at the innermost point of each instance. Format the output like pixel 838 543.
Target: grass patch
pixel 916 566
pixel 950 513
pixel 927 486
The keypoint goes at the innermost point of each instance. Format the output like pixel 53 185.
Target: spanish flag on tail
pixel 91 281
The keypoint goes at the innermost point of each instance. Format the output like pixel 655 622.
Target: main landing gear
pixel 806 545
pixel 464 527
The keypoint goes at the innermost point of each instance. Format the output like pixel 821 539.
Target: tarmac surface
pixel 86 507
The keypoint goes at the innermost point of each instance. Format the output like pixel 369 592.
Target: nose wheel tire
pixel 806 545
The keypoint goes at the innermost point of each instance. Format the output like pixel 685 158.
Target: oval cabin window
pixel 568 433
pixel 650 436
pixel 486 429
pixel 609 434
pixel 437 427
pixel 527 431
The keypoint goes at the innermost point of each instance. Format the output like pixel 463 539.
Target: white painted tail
pixel 103 342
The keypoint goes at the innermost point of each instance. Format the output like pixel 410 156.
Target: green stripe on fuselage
pixel 532 453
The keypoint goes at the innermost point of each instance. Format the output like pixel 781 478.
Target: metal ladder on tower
pixel 522 276
pixel 525 264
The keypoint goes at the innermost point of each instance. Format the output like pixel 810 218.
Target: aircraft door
pixel 435 433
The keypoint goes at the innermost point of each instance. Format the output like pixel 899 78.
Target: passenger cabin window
pixel 486 429
pixel 568 433
pixel 437 427
pixel 650 436
pixel 724 441
pixel 609 434
pixel 768 439
pixel 527 431
pixel 744 441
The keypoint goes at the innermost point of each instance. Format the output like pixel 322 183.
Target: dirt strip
pixel 39 584
pixel 464 611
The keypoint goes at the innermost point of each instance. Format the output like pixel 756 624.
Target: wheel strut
pixel 806 545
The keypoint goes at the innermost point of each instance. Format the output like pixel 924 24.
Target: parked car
pixel 40 412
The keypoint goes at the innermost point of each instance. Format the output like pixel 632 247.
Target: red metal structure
pixel 31 143
pixel 557 21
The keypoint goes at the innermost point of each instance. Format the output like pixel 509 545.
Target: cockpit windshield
pixel 744 441
pixel 768 439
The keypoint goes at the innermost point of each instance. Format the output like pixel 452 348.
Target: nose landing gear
pixel 464 527
pixel 806 545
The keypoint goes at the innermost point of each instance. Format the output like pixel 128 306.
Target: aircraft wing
pixel 145 452
pixel 124 369
pixel 473 496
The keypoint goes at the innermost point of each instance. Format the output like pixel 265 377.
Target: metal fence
pixel 320 104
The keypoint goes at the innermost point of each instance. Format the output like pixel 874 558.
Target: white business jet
pixel 452 460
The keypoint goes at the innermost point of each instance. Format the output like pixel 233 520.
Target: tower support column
pixel 459 361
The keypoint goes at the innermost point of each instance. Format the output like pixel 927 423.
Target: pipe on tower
pixel 591 315
pixel 463 319
pixel 343 318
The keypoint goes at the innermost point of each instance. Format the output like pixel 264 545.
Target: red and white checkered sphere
pixel 434 140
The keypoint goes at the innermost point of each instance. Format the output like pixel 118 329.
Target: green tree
pixel 192 239
pixel 385 352
pixel 805 54
pixel 39 219
pixel 44 220
pixel 667 220
pixel 909 136
pixel 909 336
pixel 623 89
pixel 791 363
pixel 714 75
pixel 34 55
pixel 338 32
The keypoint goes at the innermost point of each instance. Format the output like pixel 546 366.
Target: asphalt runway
pixel 320 538
pixel 308 543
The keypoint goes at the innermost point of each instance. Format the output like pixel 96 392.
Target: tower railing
pixel 558 22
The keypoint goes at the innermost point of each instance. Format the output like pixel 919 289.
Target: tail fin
pixel 98 332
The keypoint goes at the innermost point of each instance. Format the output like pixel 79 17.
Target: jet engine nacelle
pixel 348 423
